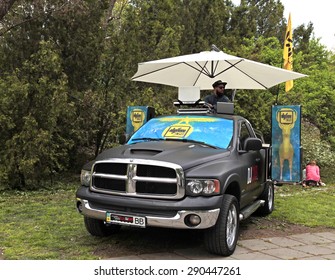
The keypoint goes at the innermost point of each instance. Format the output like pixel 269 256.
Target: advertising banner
pixel 286 143
pixel 137 116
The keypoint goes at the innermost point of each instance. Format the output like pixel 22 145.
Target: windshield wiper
pixel 191 141
pixel 148 139
pixel 173 139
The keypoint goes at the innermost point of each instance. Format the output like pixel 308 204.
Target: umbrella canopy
pixel 204 68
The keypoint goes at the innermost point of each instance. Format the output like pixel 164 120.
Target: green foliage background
pixel 65 69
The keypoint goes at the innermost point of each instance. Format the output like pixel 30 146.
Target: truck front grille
pixel 141 178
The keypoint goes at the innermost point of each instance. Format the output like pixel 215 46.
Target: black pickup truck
pixel 193 170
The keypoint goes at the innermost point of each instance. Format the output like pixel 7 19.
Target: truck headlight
pixel 203 186
pixel 85 178
pixel 195 186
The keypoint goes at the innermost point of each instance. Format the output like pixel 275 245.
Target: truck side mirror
pixel 252 144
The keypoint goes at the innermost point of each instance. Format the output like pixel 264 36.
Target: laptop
pixel 225 108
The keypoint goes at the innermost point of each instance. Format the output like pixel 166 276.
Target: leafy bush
pixel 315 148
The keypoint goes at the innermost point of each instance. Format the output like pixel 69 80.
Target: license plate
pixel 125 220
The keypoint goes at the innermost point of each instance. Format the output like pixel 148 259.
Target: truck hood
pixel 187 154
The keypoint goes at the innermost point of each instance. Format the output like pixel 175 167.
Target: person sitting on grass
pixel 312 175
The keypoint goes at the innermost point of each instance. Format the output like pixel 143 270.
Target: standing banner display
pixel 136 117
pixel 286 143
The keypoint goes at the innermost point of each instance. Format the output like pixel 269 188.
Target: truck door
pixel 250 164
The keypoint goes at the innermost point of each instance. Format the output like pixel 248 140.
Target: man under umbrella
pixel 218 96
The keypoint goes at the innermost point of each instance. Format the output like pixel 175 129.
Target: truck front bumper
pixel 208 217
pixel 157 212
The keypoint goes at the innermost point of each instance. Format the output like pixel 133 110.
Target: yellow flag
pixel 288 52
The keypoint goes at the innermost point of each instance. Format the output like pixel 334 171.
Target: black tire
pixel 222 238
pixel 99 228
pixel 268 197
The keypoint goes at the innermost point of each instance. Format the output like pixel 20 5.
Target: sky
pixel 319 12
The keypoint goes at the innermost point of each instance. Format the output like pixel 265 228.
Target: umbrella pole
pixel 277 96
pixel 233 95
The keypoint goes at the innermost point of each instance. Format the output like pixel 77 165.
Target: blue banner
pixel 136 117
pixel 286 143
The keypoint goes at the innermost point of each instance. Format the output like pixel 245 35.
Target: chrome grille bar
pixel 154 187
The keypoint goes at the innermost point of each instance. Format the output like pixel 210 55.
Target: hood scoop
pixel 145 152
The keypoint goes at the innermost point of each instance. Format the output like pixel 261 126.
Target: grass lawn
pixel 44 224
pixel 311 207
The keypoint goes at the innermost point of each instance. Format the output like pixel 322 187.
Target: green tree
pixel 36 118
pixel 204 23
pixel 5 6
pixel 73 25
pixel 76 27
pixel 301 37
pixel 139 31
pixel 253 19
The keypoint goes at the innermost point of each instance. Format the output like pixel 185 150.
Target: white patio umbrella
pixel 204 68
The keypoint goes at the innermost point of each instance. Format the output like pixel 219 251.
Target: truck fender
pixel 234 179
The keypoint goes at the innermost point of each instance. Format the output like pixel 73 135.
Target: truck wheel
pixel 268 197
pixel 99 228
pixel 222 238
